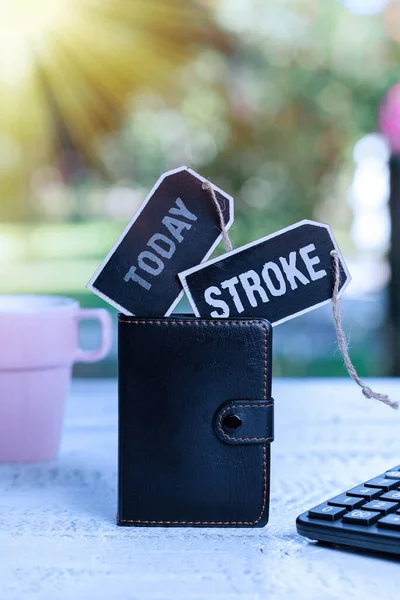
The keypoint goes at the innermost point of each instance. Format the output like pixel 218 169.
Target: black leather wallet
pixel 195 421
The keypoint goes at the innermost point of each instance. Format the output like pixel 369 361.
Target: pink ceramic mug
pixel 39 342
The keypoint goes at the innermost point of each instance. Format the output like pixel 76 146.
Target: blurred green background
pixel 276 102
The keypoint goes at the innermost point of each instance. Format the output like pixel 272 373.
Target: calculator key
pixel 326 512
pixel 349 502
pixel 365 492
pixel 383 483
pixel 381 506
pixel 361 517
pixel 393 496
pixel 390 522
pixel 392 474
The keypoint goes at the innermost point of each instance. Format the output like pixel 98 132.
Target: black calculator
pixel 367 516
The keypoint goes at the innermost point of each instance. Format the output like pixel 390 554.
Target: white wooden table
pixel 59 540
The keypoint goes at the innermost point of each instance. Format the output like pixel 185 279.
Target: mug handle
pixel 106 325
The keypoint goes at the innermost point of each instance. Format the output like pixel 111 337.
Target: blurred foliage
pixel 67 72
pixel 265 98
pixel 98 97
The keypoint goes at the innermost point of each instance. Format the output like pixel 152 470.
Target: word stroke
pixel 277 278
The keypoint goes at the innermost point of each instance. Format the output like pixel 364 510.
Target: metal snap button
pixel 232 423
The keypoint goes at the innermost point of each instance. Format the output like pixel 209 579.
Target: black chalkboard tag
pixel 176 227
pixel 278 277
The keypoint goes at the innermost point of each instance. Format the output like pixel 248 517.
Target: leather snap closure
pixel 231 423
pixel 248 421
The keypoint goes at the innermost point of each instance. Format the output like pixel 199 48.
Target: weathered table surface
pixel 59 540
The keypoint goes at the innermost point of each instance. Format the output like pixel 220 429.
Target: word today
pixel 177 226
pixel 163 247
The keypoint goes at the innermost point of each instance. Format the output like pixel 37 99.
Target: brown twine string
pixel 343 343
pixel 225 235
